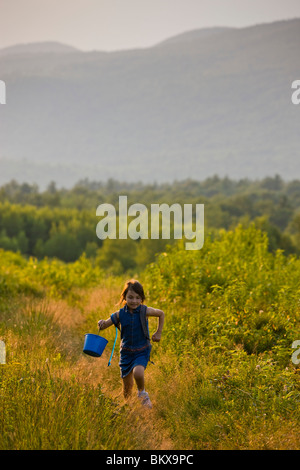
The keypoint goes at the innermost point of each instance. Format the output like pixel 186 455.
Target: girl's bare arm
pixel 103 324
pixel 156 312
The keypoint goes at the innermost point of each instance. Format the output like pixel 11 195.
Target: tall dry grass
pixel 55 397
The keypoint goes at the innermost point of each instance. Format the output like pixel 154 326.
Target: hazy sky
pixel 125 24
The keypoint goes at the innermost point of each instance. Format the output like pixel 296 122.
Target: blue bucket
pixel 94 345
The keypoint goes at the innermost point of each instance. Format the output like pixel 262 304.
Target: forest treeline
pixel 61 223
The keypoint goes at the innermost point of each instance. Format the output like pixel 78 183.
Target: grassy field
pixel 223 377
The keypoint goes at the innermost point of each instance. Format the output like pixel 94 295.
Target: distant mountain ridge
pixel 38 48
pixel 190 36
pixel 212 101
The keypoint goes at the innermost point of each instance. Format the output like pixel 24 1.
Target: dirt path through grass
pixel 147 425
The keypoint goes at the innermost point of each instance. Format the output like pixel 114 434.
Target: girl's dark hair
pixel 134 285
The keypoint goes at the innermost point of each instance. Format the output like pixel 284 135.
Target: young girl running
pixel 135 341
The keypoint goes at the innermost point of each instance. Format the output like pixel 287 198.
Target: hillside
pixel 225 375
pixel 37 48
pixel 206 102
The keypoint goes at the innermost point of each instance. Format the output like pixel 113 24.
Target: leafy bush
pixel 231 292
pixel 18 275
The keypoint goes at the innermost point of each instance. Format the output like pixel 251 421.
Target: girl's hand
pixel 101 324
pixel 156 337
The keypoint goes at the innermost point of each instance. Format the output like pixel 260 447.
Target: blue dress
pixel 135 348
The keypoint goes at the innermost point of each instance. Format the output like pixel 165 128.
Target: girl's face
pixel 133 299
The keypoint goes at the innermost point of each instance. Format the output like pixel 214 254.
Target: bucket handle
pixel 109 362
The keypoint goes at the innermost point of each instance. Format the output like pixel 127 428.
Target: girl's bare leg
pixel 128 384
pixel 138 374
